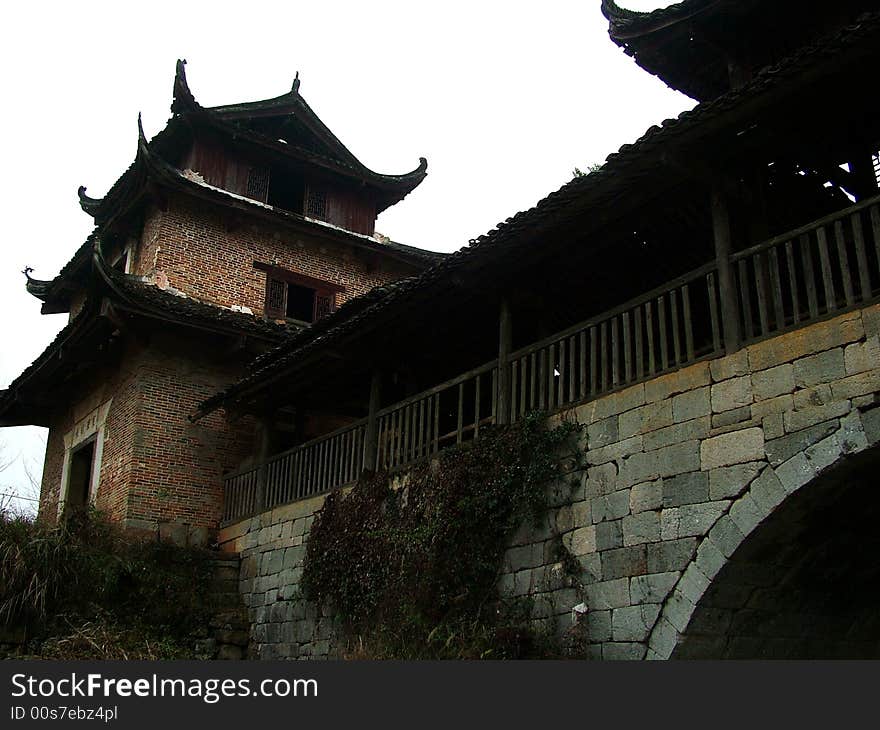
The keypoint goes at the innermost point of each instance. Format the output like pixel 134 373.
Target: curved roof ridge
pixel 185 102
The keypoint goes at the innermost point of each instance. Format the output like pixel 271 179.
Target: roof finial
pixel 27 272
pixel 295 87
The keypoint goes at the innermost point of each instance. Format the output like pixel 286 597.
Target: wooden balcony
pixel 816 271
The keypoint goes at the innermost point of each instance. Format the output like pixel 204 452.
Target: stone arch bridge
pixel 728 509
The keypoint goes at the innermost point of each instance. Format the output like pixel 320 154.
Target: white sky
pixel 505 99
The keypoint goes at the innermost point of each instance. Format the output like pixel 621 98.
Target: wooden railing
pixel 446 414
pixel 817 270
pixel 664 329
pixel 821 268
pixel 318 466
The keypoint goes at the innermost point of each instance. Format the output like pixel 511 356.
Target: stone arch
pixel 791 570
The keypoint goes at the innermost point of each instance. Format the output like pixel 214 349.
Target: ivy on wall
pixel 411 569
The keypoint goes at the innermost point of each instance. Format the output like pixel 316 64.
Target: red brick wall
pixel 156 466
pixel 189 243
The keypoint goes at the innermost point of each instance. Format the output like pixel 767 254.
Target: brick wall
pixel 159 472
pixel 210 257
pixel 676 473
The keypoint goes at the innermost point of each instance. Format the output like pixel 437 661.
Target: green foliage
pixel 577 172
pixel 86 566
pixel 412 570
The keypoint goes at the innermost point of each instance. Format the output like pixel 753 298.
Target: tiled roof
pixel 591 191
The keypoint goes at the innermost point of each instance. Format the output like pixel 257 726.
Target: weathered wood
pixel 594 377
pixel 459 427
pixel 572 371
pixel 505 343
pixel 640 355
pixel 827 276
pixel 861 257
pixel 477 406
pixel 723 246
pixel 843 259
pixel 676 335
pixel 809 275
pixel 792 282
pixel 776 289
pixel 604 353
pixel 688 323
pixel 371 437
pixel 745 298
pixel 664 344
pixel 627 348
pixel 615 353
pixel 761 288
pixel 582 363
pixel 875 228
pixel 649 329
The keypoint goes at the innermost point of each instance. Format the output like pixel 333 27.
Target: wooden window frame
pixel 325 290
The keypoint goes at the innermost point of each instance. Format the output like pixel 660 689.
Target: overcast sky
pixel 504 99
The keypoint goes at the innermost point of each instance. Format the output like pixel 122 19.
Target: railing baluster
pixel 875 229
pixel 745 298
pixel 615 353
pixel 533 393
pixel 572 371
pixel 776 289
pixel 688 323
pixel 514 389
pixel 551 377
pixel 627 349
pixel 843 259
pixel 809 275
pixel 827 277
pixel 582 357
pixel 477 406
pixel 542 379
pixel 640 355
pixel 861 256
pixel 649 330
pixel 604 352
pixel 437 421
pixel 761 288
pixel 594 376
pixel 792 283
pixel 563 369
pixel 523 386
pixel 664 346
pixel 676 335
pixel 458 430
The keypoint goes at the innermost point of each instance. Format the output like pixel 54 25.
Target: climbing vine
pixel 410 568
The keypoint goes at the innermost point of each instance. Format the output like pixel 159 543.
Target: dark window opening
pixel 286 190
pixel 300 303
pixel 121 262
pixel 316 205
pixel 287 299
pixel 79 480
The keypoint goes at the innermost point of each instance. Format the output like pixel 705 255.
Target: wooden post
pixel 505 336
pixel 726 283
pixel 263 450
pixel 371 434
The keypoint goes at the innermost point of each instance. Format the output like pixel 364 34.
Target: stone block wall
pixel 272 550
pixel 674 474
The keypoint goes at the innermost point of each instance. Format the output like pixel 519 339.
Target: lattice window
pixel 276 298
pixel 258 183
pixel 316 204
pixel 324 304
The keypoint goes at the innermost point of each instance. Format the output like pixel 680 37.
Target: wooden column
pixel 264 445
pixel 726 279
pixel 505 338
pixel 371 434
